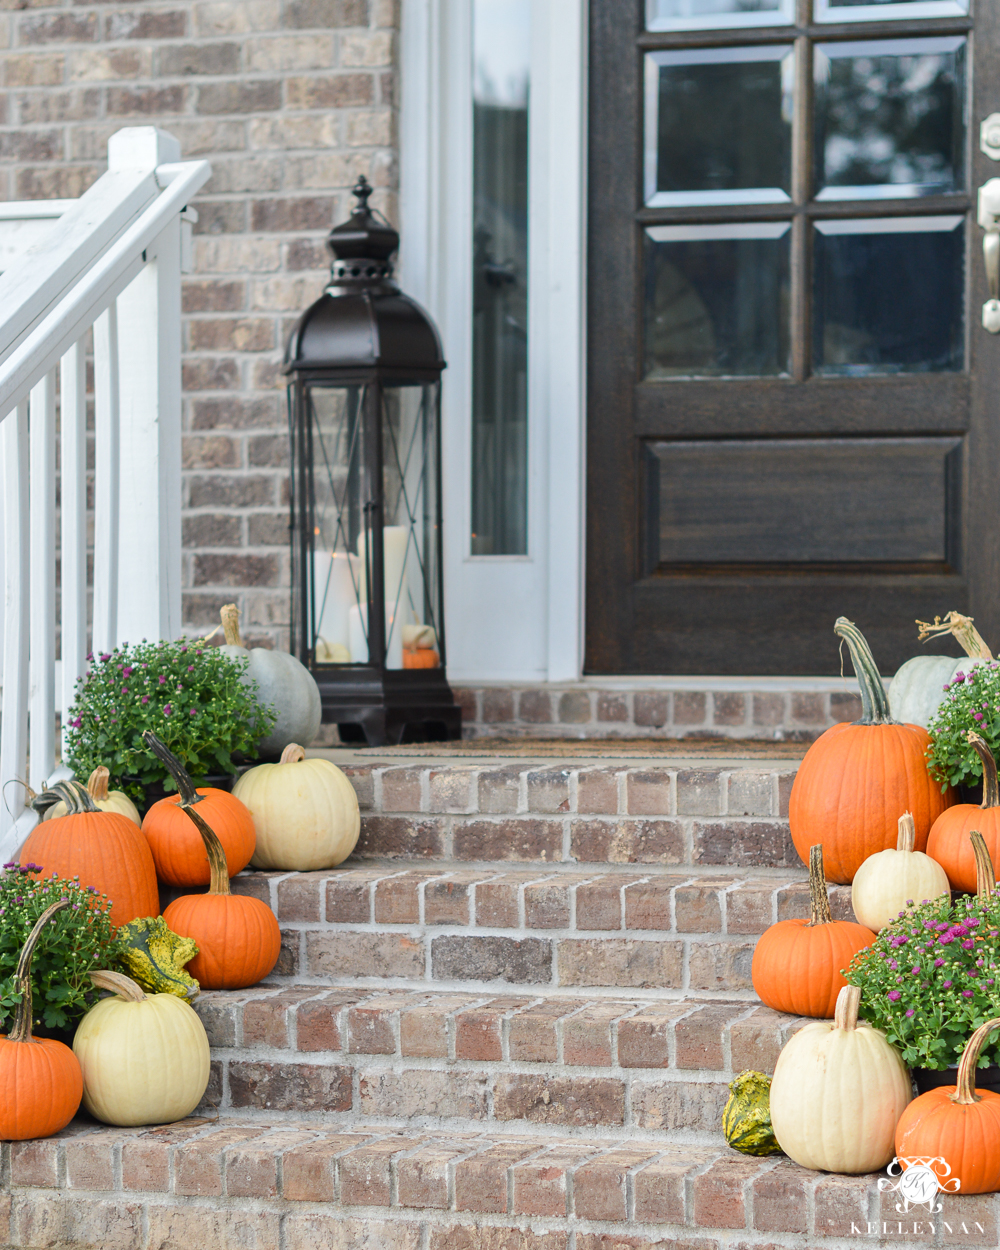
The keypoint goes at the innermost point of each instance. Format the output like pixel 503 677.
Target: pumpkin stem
pixel 97 784
pixel 21 1029
pixel 118 984
pixel 875 701
pixel 230 614
pixel 218 868
pixel 965 1085
pixel 845 1015
pixel 961 629
pixel 292 754
pixel 906 837
pixel 818 896
pixel 72 793
pixel 986 882
pixel 991 791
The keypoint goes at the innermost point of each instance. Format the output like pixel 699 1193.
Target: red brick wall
pixel 290 100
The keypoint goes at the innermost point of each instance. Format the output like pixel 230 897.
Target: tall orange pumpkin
pixel 796 963
pixel 857 778
pixel 104 849
pixel 958 1124
pixel 238 936
pixel 178 851
pixel 948 841
pixel 41 1082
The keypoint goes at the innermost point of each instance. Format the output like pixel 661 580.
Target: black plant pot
pixel 153 793
pixel 927 1079
pixel 970 794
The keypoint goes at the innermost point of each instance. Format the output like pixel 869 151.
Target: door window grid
pixel 806 209
pixel 669 15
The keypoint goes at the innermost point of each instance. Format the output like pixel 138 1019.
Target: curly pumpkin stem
pixel 991 791
pixel 97 784
pixel 76 797
pixel 986 882
pixel 965 1084
pixel 819 898
pixel 230 614
pixel 21 1029
pixel 961 629
pixel 906 835
pixel 292 754
pixel 118 984
pixel 874 700
pixel 845 1014
pixel 218 867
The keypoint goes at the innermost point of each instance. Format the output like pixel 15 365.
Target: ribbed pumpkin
pixel 145 1059
pixel 916 693
pixel 890 881
pixel 958 1124
pixel 238 936
pixel 948 841
pixel 838 1091
pixel 178 851
pixel 104 799
pixel 796 963
pixel 746 1120
pixel 40 1079
pixel 857 778
pixel 104 849
pixel 305 812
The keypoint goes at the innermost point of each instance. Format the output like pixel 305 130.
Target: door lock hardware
pixel 989 219
pixel 989 137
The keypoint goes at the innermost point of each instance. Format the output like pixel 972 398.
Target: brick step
pixel 302 1184
pixel 654 811
pixel 534 1063
pixel 657 929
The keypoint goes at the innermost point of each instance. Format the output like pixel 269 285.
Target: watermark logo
pixel 918 1182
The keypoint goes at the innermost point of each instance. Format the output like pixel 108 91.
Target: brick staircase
pixel 507 1024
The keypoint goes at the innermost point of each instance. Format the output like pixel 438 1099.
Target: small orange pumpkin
pixel 178 851
pixel 958 1124
pixel 796 963
pixel 856 779
pixel 238 937
pixel 421 657
pixel 948 841
pixel 41 1082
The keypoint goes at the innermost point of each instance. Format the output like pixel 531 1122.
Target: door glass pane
pixel 719 126
pixel 707 14
pixel 888 295
pixel 716 300
pixel 502 44
pixel 889 118
pixel 885 10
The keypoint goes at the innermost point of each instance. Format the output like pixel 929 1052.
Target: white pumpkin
pixel 305 812
pixel 283 682
pixel 917 690
pixel 887 881
pixel 837 1093
pixel 145 1059
pixel 107 800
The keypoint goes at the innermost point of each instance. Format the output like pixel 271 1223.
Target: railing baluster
pixel 106 484
pixel 73 510
pixel 14 722
pixel 42 584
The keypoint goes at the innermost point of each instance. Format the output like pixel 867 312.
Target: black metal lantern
pixel 364 366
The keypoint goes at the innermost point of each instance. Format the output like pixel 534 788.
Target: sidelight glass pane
pixel 502 44
pixel 710 14
pixel 885 10
pixel 888 295
pixel 890 118
pixel 719 126
pixel 716 300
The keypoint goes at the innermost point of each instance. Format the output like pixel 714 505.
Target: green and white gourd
pixel 283 682
pixel 917 690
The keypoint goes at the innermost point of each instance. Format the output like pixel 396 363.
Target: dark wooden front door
pixel 793 408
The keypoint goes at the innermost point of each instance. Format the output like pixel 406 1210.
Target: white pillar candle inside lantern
pixel 358 634
pixel 337 587
pixel 395 539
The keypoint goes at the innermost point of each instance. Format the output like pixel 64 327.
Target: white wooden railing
pixel 110 261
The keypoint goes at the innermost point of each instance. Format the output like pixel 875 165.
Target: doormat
pixel 590 748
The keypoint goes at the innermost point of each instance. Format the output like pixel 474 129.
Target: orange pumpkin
pixel 104 849
pixel 857 778
pixel 178 851
pixel 957 1124
pixel 237 936
pixel 948 841
pixel 796 963
pixel 41 1082
pixel 422 657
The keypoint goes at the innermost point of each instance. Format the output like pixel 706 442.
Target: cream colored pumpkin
pixel 889 881
pixel 305 812
pixel 145 1059
pixel 916 692
pixel 107 800
pixel 837 1093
